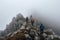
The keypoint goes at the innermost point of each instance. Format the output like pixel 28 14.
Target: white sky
pixel 9 9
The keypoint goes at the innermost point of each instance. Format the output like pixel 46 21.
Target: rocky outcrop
pixel 18 29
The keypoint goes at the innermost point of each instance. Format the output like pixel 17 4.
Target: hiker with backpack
pixel 42 28
pixel 41 32
pixel 32 20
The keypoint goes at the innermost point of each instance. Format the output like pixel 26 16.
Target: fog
pixel 48 11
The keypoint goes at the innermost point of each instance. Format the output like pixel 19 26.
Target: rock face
pixel 14 24
pixel 18 29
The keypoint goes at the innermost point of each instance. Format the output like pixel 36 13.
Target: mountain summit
pixel 19 29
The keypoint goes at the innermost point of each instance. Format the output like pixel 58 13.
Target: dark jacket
pixel 42 27
pixel 26 19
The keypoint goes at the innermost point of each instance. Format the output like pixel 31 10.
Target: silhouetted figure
pixel 26 19
pixel 41 32
pixel 32 20
pixel 41 28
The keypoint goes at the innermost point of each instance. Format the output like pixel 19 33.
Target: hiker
pixel 32 20
pixel 41 32
pixel 41 28
pixel 26 19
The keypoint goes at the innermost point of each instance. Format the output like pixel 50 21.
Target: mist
pixel 48 12
pixel 49 15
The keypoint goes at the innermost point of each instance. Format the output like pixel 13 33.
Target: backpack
pixel 32 20
pixel 41 26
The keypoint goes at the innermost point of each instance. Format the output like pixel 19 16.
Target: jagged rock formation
pixel 17 30
pixel 13 25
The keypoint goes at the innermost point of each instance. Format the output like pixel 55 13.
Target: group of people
pixel 32 23
pixel 31 19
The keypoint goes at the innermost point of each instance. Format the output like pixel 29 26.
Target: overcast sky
pixel 48 10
